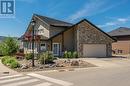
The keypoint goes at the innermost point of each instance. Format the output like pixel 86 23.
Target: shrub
pixel 8 46
pixel 10 61
pixel 70 54
pixel 75 54
pixel 46 57
pixel 65 54
pixel 14 64
pixel 29 56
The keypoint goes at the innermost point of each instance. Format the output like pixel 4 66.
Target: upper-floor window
pixel 40 31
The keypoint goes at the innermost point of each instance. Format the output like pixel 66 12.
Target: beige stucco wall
pixel 69 40
pixel 55 30
pixel 57 39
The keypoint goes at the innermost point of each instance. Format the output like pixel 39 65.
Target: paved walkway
pixel 3 69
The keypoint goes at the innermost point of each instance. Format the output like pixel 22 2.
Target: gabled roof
pixel 122 31
pixel 53 22
pixel 90 24
pixel 50 21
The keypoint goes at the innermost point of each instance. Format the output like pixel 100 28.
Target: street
pixel 97 76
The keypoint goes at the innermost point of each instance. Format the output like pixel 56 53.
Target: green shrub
pixel 70 54
pixel 75 54
pixel 46 57
pixel 14 64
pixel 9 46
pixel 65 54
pixel 29 56
pixel 10 61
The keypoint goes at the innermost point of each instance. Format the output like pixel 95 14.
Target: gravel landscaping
pixel 59 64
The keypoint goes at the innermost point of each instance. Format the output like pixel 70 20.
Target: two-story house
pixel 59 36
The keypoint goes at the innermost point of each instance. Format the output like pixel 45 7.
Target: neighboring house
pixel 58 36
pixel 122 46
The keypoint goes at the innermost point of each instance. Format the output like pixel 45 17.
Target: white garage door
pixel 94 50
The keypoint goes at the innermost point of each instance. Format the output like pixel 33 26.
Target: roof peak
pixel 53 21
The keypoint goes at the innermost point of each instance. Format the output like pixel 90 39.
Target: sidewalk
pixel 3 69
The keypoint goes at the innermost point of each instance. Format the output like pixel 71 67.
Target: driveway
pixel 108 62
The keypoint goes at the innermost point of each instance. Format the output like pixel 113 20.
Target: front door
pixel 56 49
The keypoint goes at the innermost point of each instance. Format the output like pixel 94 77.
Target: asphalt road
pixel 97 76
pixel 114 76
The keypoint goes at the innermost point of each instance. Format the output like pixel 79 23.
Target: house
pixel 122 46
pixel 59 36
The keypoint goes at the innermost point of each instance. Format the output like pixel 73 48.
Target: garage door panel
pixel 94 50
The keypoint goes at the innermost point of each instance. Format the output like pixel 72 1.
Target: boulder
pixel 75 63
pixel 24 66
pixel 41 67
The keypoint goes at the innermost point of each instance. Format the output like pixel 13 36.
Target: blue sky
pixel 106 14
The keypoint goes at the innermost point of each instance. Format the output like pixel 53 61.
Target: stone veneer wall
pixel 88 34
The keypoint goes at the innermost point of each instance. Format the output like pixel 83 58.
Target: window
pixel 29 45
pixel 120 51
pixel 43 46
pixel 40 31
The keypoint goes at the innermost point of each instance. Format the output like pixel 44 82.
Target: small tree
pixel 46 57
pixel 9 46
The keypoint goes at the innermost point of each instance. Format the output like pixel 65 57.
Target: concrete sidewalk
pixel 3 69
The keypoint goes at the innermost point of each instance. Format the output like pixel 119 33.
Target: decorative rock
pixel 53 65
pixel 8 64
pixel 60 65
pixel 41 67
pixel 47 66
pixel 74 63
pixel 24 66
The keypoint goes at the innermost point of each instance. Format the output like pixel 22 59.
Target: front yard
pixel 25 65
pixel 15 59
pixel 56 65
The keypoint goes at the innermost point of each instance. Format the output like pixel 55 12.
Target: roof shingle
pixel 53 22
pixel 122 31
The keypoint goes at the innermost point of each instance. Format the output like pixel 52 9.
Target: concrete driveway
pixel 108 62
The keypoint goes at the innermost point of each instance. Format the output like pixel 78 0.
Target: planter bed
pixel 60 64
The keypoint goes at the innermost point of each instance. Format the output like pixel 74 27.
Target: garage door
pixel 94 50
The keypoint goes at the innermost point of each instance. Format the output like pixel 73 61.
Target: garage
pixel 94 50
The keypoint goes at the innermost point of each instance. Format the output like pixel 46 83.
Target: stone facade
pixel 88 34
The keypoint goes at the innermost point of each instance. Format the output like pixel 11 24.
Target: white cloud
pixel 93 7
pixel 118 21
pixel 87 10
pixel 122 19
